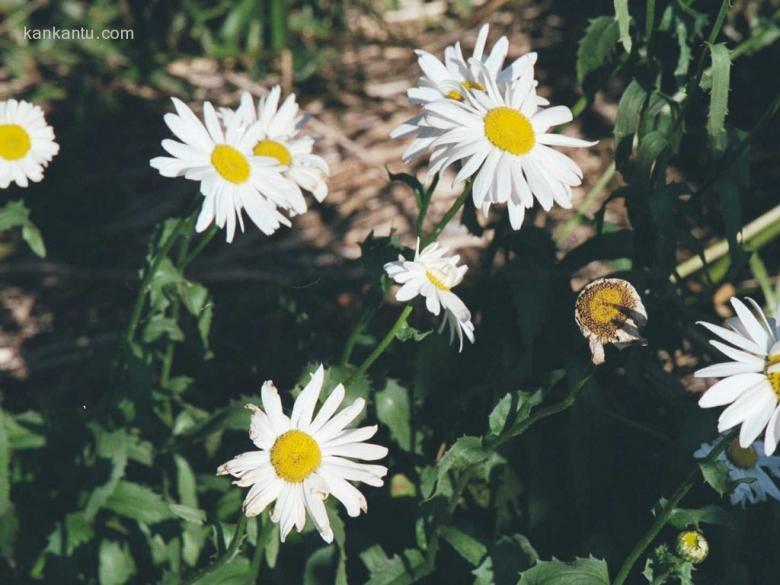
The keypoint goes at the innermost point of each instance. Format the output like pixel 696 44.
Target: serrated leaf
pixel 511 409
pixel 465 453
pixel 630 108
pixel 682 518
pixel 719 97
pixel 588 571
pixel 159 325
pixel 112 446
pixel 624 23
pixel 596 45
pixel 716 474
pixel 403 569
pixel 393 410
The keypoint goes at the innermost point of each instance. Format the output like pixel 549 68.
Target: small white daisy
pixel 751 382
pixel 231 177
pixel 609 310
pixel 748 463
pixel 501 138
pixel 456 75
pixel 305 458
pixel 26 143
pixel 279 127
pixel 433 274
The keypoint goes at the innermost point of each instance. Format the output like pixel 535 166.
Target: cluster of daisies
pixel 484 116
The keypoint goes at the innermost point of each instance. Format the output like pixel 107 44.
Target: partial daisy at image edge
pixel 433 274
pixel 749 463
pixel 231 178
pixel 305 458
pixel 750 383
pixel 27 143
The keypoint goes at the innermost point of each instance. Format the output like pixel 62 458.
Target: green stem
pixel 663 517
pixel 543 413
pixel 454 208
pixel 383 345
pixel 649 26
pixel 595 191
pixel 204 241
pixel 227 556
pixel 149 273
pixel 425 203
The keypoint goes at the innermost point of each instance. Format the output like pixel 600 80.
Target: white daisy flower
pixel 455 76
pixel 433 274
pixel 501 138
pixel 751 381
pixel 279 127
pixel 231 177
pixel 305 458
pixel 609 310
pixel 748 463
pixel 26 143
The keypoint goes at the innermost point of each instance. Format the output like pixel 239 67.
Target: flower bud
pixel 692 546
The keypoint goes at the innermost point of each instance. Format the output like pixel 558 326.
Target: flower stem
pixel 149 273
pixel 454 208
pixel 663 516
pixel 384 344
pixel 227 556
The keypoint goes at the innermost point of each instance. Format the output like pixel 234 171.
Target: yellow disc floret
pixel 602 307
pixel 273 149
pixel 772 372
pixel 454 94
pixel 230 163
pixel 740 457
pixel 509 130
pixel 436 281
pixel 14 142
pixel 295 455
pixel 692 546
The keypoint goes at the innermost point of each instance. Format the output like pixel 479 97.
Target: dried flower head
pixel 609 310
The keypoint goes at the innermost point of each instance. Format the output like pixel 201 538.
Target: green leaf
pixel 339 536
pixel 236 572
pixel 74 530
pixel 32 235
pixel 472 550
pixel 188 513
pixel 465 453
pixel 138 502
pixel 682 518
pixel 15 214
pixel 116 565
pixel 630 108
pixel 719 97
pixel 512 409
pixel 588 571
pixel 624 22
pixel 5 465
pixel 403 569
pixel 393 410
pixel 111 446
pixel 407 332
pixel 716 474
pixel 596 46
pixel 25 430
pixel 160 325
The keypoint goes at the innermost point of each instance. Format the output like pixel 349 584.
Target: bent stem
pixel 454 208
pixel 232 551
pixel 383 345
pixel 663 517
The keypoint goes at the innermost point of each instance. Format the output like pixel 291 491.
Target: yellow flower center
pixel 436 281
pixel 690 539
pixel 692 546
pixel 14 142
pixel 454 94
pixel 295 455
pixel 509 130
pixel 230 163
pixel 602 307
pixel 273 149
pixel 741 458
